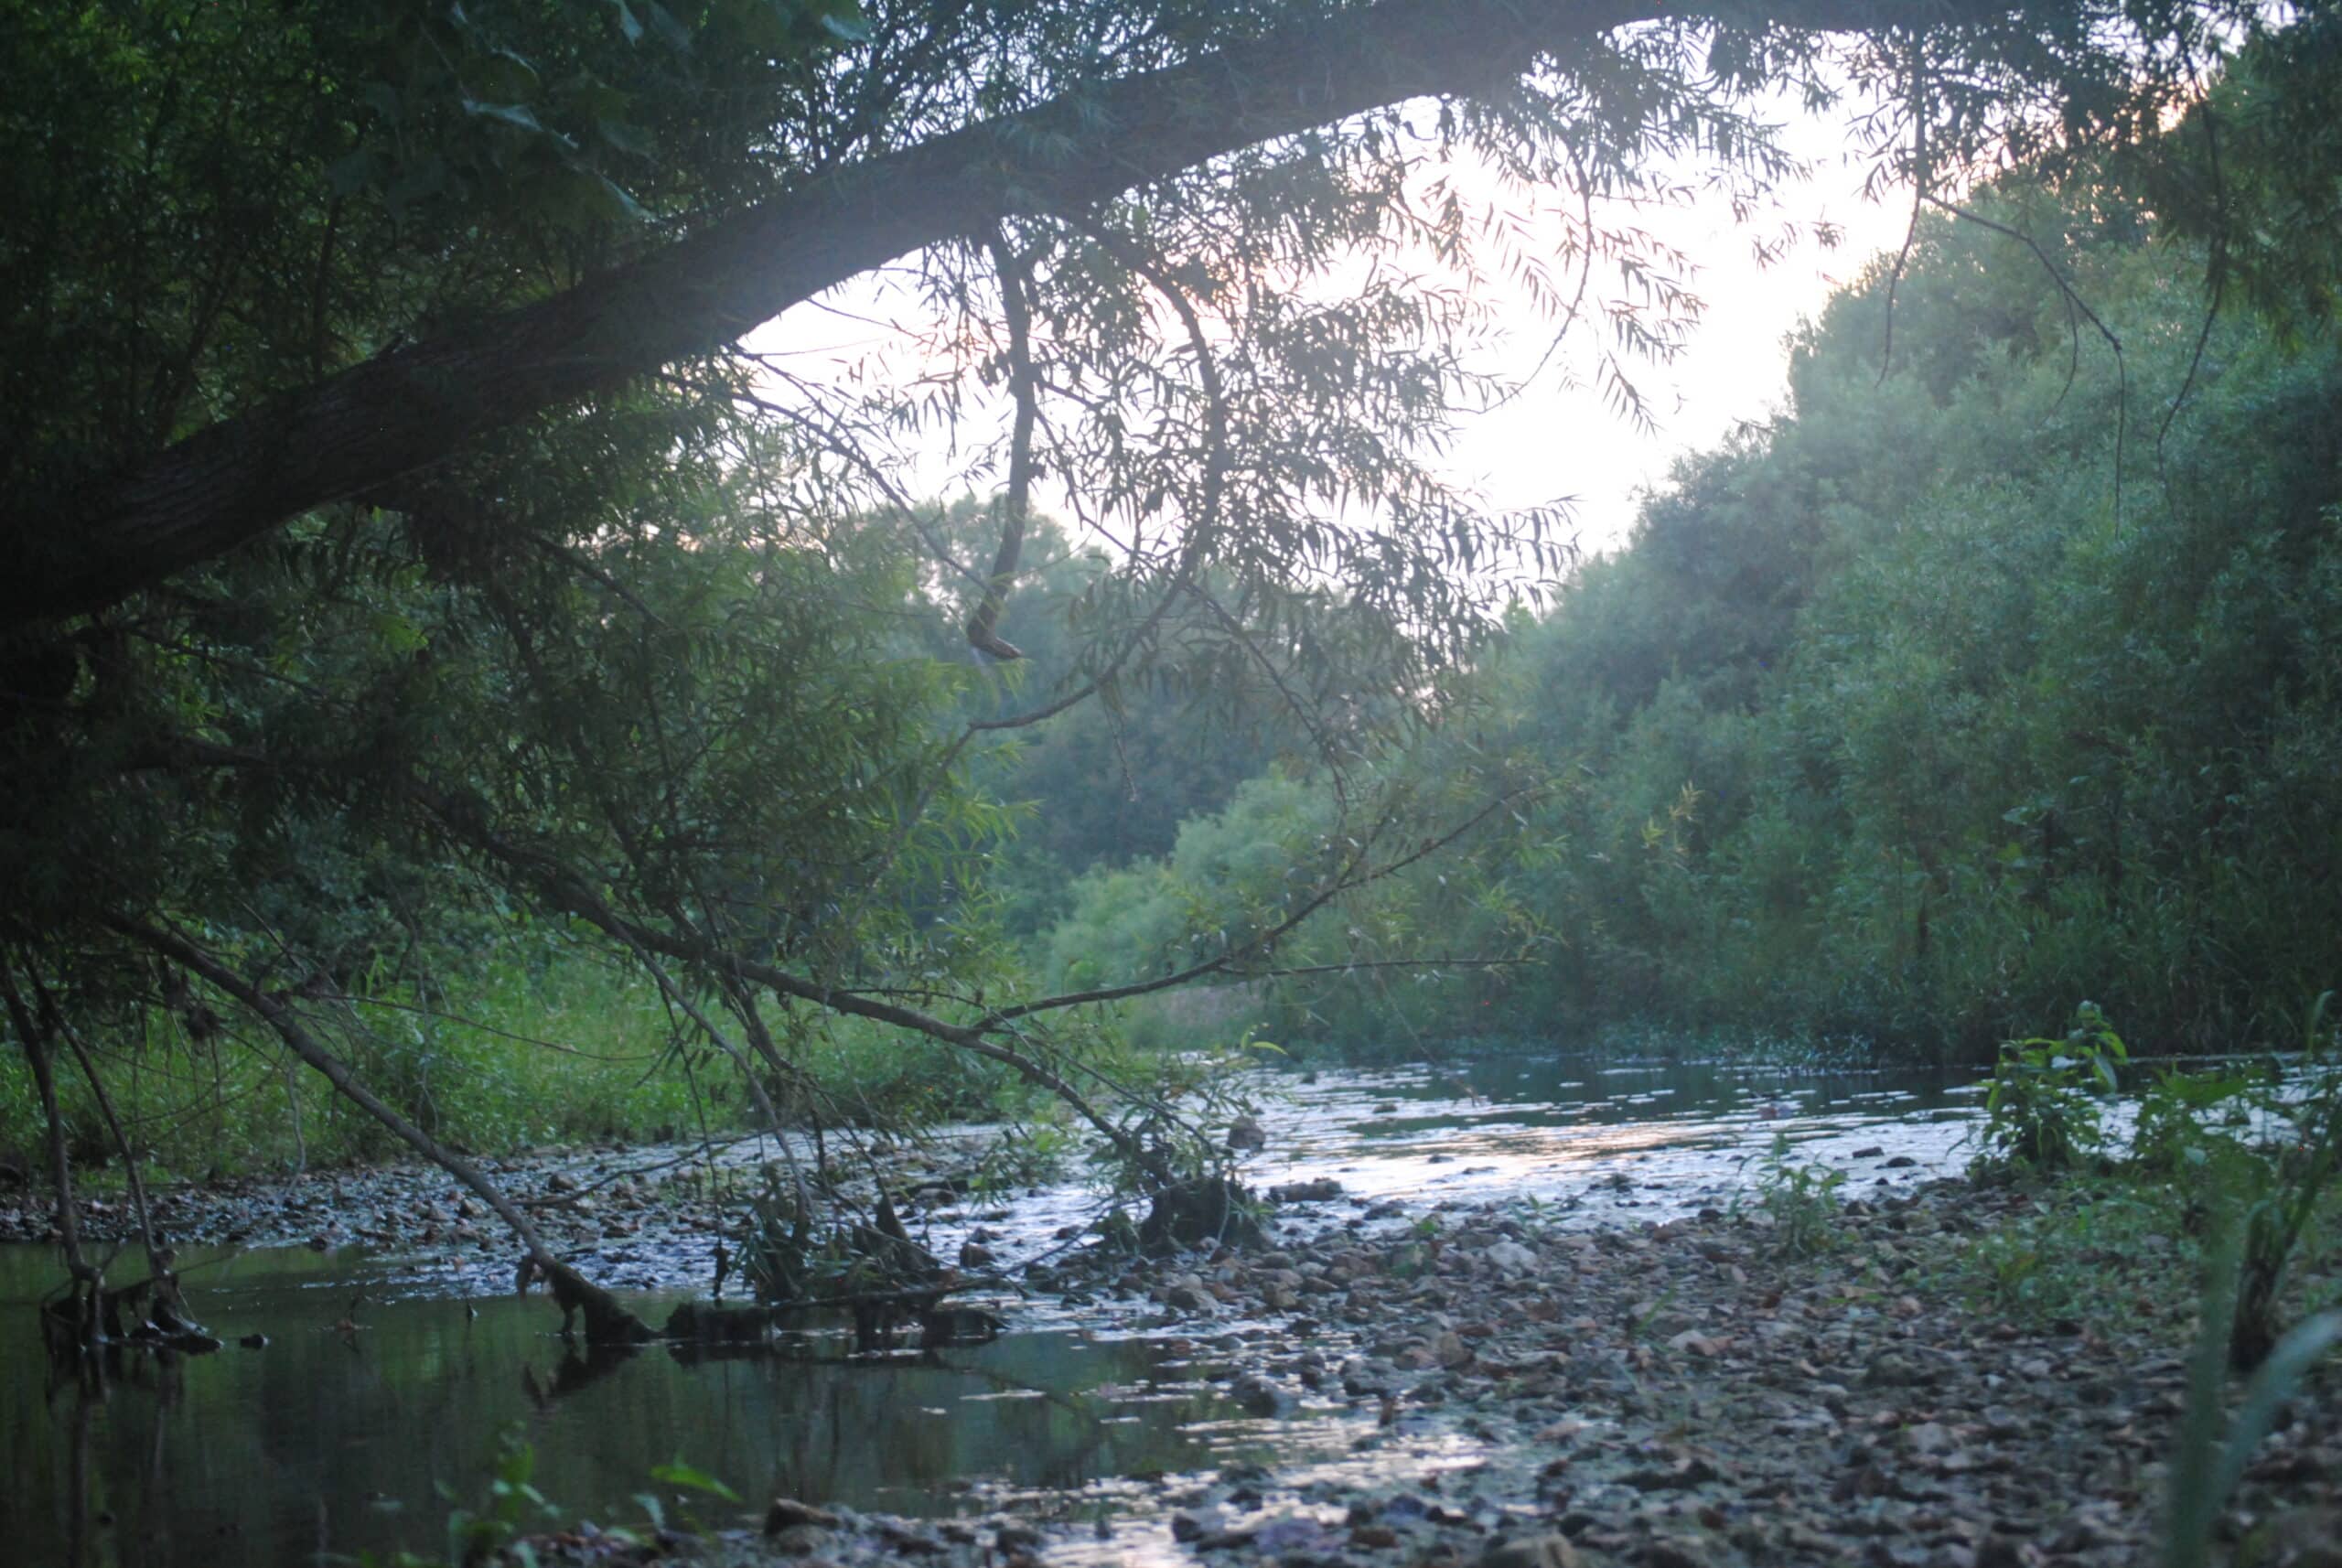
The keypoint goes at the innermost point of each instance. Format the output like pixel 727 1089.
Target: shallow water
pixel 339 1442
pixel 325 1442
pixel 1606 1143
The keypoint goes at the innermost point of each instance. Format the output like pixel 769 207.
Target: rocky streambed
pixel 1590 1145
pixel 1682 1395
pixel 1520 1381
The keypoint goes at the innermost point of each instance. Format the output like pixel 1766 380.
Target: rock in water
pixel 1210 1210
pixel 1325 1189
pixel 941 1327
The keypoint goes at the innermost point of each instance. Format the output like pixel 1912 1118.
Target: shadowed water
pixel 333 1443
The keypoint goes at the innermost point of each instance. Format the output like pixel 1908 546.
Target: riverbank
pixel 1695 1395
pixel 1940 1373
pixel 1601 1142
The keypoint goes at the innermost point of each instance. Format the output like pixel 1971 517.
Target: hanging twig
pixel 1357 874
pixel 2216 273
pixel 1919 201
pixel 2075 302
pixel 984 626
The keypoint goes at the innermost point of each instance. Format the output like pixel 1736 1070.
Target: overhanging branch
pixel 339 437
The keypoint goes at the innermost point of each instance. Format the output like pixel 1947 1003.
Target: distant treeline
pixel 2001 671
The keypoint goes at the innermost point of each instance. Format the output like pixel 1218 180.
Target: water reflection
pixel 338 1442
pixel 1615 1141
pixel 341 1442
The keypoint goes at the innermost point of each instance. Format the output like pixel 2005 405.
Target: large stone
pixel 1533 1551
pixel 1512 1257
pixel 788 1513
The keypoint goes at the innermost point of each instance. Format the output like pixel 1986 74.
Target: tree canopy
pixel 408 551
pixel 1995 672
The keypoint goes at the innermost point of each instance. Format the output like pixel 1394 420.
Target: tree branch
pixel 290 1029
pixel 337 438
pixel 1357 874
pixel 983 626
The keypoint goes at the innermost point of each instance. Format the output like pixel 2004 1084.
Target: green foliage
pixel 1183 1102
pixel 498 1531
pixel 2208 1460
pixel 490 1532
pixel 1922 710
pixel 2262 1146
pixel 2249 174
pixel 1801 1200
pixel 2281 1202
pixel 2194 1123
pixel 664 698
pixel 651 722
pixel 554 1044
pixel 2044 1107
pixel 1230 876
pixel 678 1474
pixel 2249 1158
pixel 345 156
pixel 2092 1248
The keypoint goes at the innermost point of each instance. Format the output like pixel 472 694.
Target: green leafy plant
pixel 497 1532
pixel 493 1532
pixel 1801 1200
pixel 2043 1109
pixel 2187 1122
pixel 2092 1240
pixel 2318 1032
pixel 2292 1183
pixel 2210 1461
pixel 683 1478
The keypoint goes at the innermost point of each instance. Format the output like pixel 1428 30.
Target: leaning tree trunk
pixel 75 1321
pixel 607 1321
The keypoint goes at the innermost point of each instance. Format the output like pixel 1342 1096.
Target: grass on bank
pixel 549 1044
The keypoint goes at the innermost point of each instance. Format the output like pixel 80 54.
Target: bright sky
pixel 1553 440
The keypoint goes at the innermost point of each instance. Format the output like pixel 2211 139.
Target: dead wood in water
pixel 1213 1210
pixel 607 1322
pixel 74 1321
pixel 712 1323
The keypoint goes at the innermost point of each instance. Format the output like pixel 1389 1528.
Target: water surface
pixel 339 1443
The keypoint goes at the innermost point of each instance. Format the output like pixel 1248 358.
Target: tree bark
pixel 341 436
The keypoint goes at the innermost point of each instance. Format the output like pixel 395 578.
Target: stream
pixel 330 1444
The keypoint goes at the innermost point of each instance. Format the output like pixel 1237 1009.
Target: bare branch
pixel 2216 270
pixel 1358 875
pixel 2073 301
pixel 295 1035
pixel 984 626
pixel 1919 183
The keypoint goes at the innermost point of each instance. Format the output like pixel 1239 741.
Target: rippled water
pixel 331 1442
pixel 1680 1135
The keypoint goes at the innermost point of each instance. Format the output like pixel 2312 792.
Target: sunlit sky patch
pixel 1560 436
